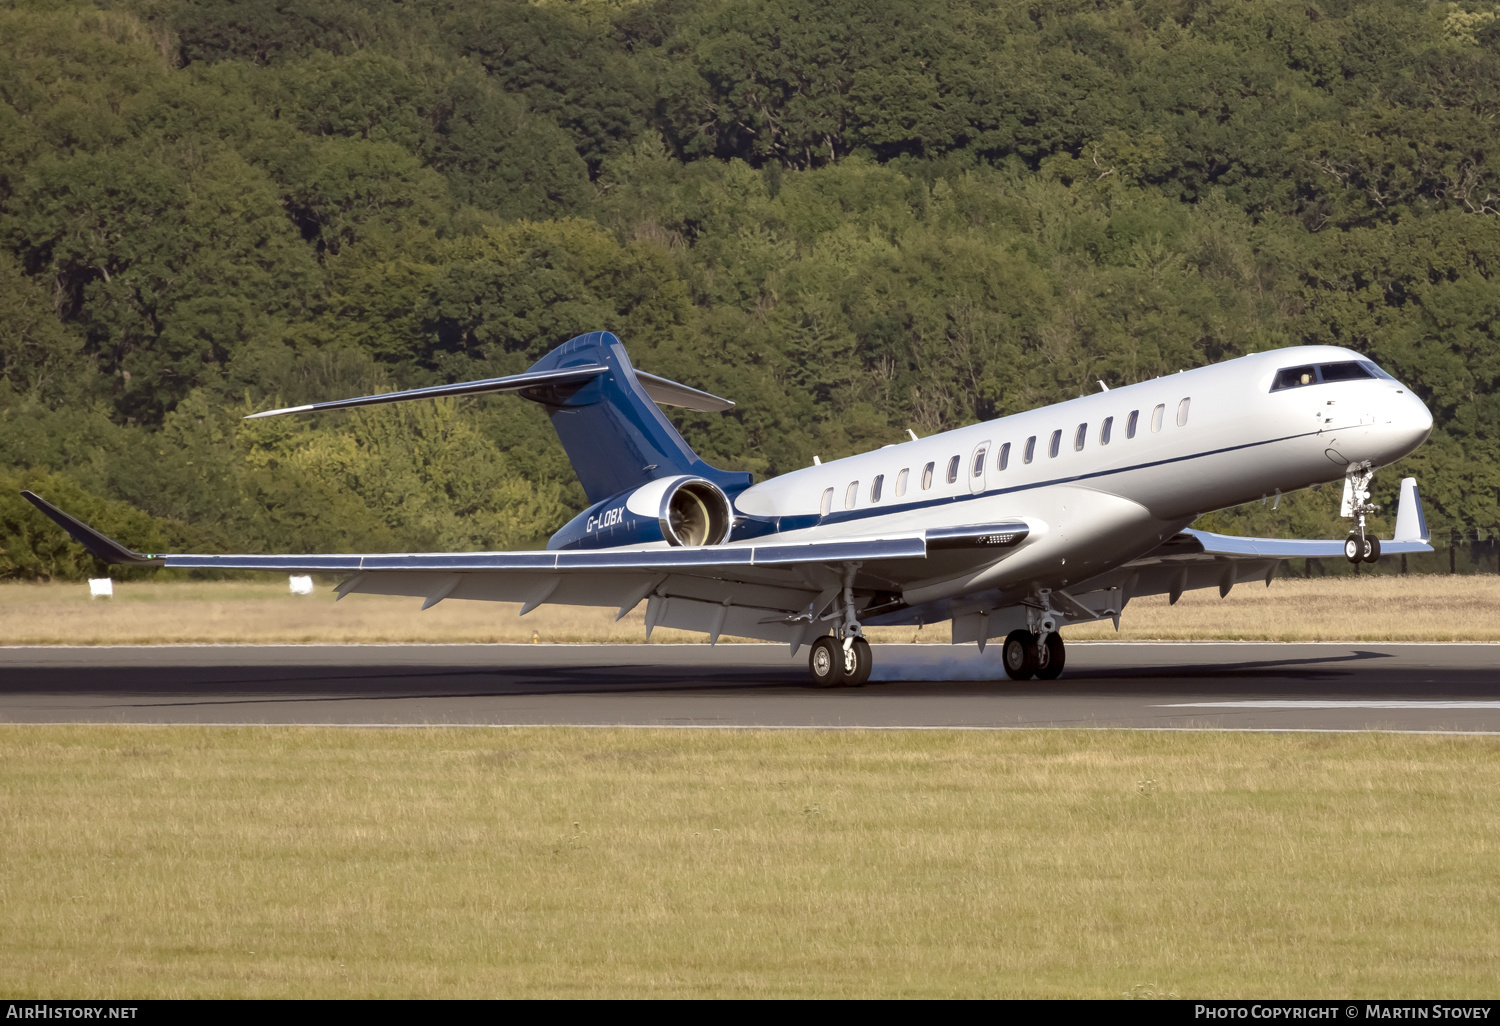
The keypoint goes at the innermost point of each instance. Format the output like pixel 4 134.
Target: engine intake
pixel 695 512
pixel 684 510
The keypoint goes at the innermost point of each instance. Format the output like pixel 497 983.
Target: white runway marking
pixel 1315 703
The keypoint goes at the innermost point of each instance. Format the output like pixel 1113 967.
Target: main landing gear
pixel 840 663
pixel 1038 650
pixel 1028 655
pixel 843 659
pixel 1360 546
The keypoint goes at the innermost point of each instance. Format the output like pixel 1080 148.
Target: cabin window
pixel 1055 445
pixel 901 481
pixel 1156 417
pixel 1109 422
pixel 1134 419
pixel 1294 377
pixel 1344 371
pixel 927 476
pixel 1030 449
pixel 1182 411
pixel 875 487
pixel 1004 460
pixel 953 470
pixel 826 506
pixel 852 495
pixel 1079 436
pixel 978 469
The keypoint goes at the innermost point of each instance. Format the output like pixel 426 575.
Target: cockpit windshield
pixel 1344 371
pixel 1310 374
pixel 1295 377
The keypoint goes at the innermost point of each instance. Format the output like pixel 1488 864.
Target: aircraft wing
pixel 1202 559
pixel 772 590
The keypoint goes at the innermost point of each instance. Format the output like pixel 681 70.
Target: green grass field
pixel 292 862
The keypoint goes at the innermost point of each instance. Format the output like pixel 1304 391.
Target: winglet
pixel 105 548
pixel 1411 525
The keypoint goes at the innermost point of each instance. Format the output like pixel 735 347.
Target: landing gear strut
pixel 1360 546
pixel 844 659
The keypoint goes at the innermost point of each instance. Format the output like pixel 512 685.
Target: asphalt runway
pixel 1439 687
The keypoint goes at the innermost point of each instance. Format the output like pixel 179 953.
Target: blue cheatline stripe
pixel 845 516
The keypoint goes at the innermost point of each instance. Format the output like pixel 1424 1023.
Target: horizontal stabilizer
pixel 670 393
pixel 511 383
pixel 105 548
pixel 661 391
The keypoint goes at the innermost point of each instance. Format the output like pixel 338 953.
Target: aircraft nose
pixel 1411 425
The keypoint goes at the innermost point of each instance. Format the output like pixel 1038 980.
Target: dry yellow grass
pixel 1368 608
pixel 296 862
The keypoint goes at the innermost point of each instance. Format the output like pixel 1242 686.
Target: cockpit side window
pixel 1294 377
pixel 1375 370
pixel 1350 371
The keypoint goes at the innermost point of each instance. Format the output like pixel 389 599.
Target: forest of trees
pixel 853 217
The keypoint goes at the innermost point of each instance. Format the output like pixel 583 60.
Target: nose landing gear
pixel 1360 546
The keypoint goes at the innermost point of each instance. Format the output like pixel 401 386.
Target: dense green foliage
pixel 851 216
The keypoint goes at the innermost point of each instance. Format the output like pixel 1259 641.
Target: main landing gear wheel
pixel 832 665
pixel 1372 549
pixel 1051 658
pixel 1023 660
pixel 1017 653
pixel 826 662
pixel 858 660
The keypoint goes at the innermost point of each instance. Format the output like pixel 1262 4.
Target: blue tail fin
pixel 613 431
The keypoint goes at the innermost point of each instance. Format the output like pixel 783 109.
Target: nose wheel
pixel 1359 549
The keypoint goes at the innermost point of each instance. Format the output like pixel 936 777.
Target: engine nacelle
pixel 682 510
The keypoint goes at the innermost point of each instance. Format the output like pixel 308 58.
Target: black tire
pixel 825 663
pixel 1353 551
pixel 1051 666
pixel 1017 655
pixel 1372 549
pixel 858 661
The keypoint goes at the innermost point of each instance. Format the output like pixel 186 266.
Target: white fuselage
pixel 1102 478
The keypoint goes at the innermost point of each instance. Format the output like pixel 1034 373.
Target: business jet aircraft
pixel 1012 528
